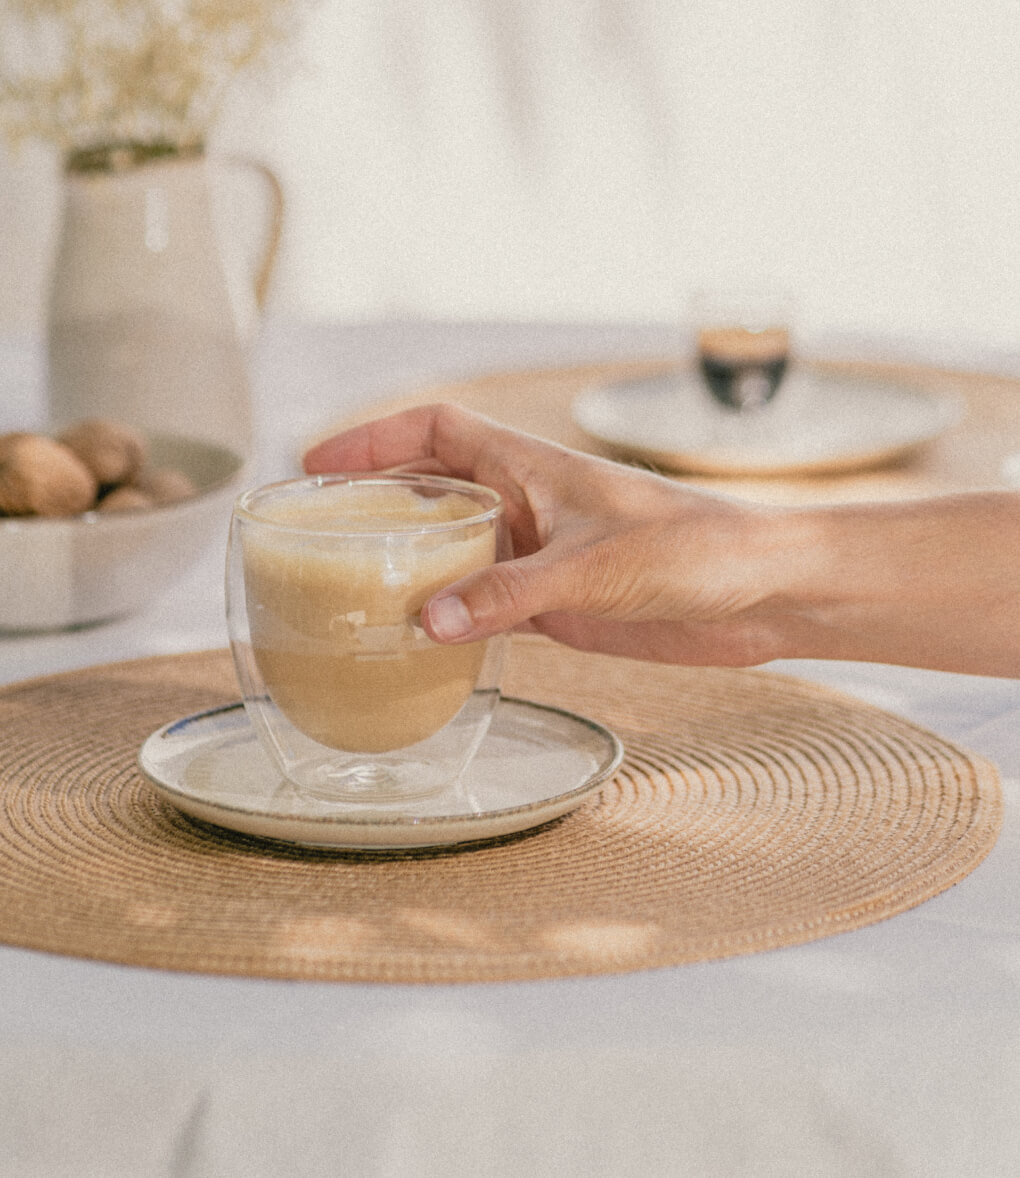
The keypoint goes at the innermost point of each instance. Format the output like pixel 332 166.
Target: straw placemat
pixel 751 811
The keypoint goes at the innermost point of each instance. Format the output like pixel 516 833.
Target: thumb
pixel 496 598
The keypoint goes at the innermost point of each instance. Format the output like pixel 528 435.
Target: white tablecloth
pixel 891 1051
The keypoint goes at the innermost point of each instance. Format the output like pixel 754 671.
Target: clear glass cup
pixel 743 344
pixel 326 578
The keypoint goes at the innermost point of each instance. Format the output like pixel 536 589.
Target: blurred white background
pixel 600 159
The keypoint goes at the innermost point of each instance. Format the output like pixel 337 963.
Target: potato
pixel 40 476
pixel 165 485
pixel 124 499
pixel 114 453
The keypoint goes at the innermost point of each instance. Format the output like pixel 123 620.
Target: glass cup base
pixel 380 782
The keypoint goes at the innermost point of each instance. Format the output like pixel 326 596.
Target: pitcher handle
pixel 274 230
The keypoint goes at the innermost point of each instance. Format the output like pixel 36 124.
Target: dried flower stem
pixel 83 74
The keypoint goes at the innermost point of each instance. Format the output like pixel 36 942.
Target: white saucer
pixel 818 423
pixel 536 764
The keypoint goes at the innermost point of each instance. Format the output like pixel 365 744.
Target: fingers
pixel 445 439
pixel 547 597
pixel 501 597
pixel 376 445
pixel 441 436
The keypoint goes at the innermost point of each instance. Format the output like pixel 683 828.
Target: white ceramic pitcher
pixel 142 327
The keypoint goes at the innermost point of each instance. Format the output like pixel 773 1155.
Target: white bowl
pixel 58 573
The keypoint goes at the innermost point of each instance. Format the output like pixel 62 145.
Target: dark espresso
pixel 742 368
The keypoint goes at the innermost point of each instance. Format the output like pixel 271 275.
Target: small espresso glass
pixel 326 579
pixel 743 344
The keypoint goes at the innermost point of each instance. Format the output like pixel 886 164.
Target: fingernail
pixel 449 618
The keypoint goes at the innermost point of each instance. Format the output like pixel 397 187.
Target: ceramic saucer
pixel 535 764
pixel 818 423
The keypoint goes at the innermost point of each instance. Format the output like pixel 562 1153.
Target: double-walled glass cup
pixel 326 579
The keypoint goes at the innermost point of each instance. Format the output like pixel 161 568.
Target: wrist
pixel 825 581
pixel 927 583
pixel 791 559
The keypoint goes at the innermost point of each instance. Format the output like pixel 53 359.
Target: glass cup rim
pixel 243 505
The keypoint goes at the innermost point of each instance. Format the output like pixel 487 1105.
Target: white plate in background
pixel 818 423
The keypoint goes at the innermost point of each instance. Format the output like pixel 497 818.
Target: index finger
pixel 454 438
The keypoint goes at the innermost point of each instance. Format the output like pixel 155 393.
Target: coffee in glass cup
pixel 327 577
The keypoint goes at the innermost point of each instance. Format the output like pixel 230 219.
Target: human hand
pixel 606 557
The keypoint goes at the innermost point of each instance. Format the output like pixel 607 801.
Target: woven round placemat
pixel 751 811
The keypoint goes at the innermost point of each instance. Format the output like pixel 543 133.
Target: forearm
pixel 933 583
